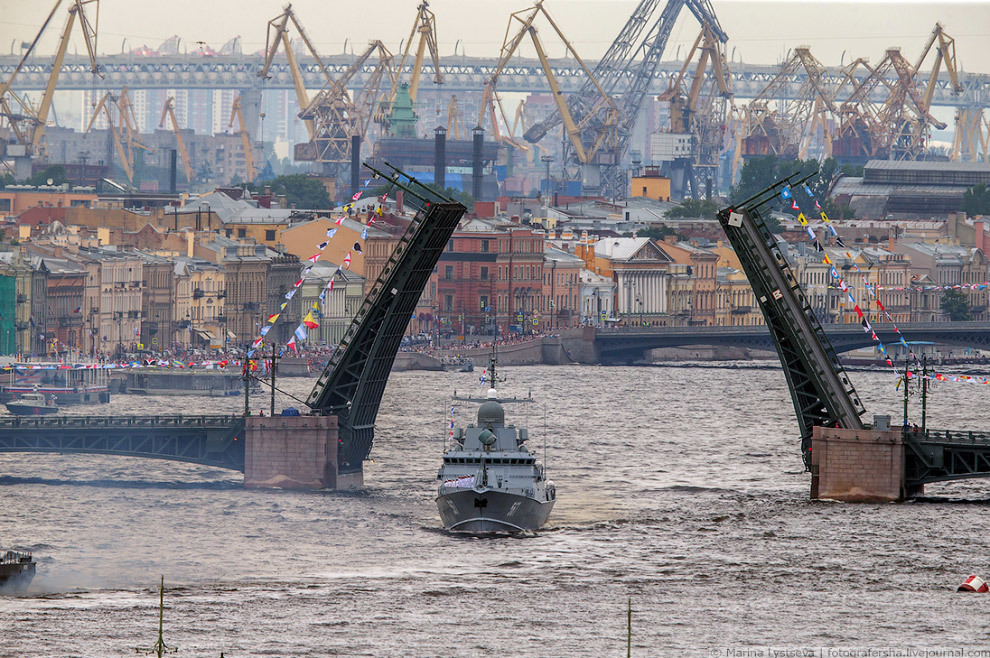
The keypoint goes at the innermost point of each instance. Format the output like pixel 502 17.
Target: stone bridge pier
pixel 294 452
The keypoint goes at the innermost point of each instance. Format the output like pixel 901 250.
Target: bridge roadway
pixel 627 344
pixel 461 73
pixel 209 440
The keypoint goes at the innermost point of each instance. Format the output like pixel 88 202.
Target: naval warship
pixel 489 480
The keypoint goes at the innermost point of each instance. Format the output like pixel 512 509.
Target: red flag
pixel 292 344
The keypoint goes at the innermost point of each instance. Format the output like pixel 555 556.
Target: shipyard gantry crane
pixel 627 55
pixel 699 114
pixel 23 128
pixel 168 112
pixel 425 26
pixel 791 129
pixel 603 111
pixel 236 112
pixel 899 127
pixel 332 118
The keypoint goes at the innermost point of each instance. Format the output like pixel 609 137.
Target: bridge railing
pixel 111 422
pixel 956 437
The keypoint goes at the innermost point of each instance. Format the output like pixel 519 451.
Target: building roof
pixel 927 165
pixel 628 249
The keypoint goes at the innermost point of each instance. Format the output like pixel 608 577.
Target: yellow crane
pixel 425 25
pixel 604 109
pixel 108 105
pixel 27 126
pixel 235 112
pixel 455 120
pixel 168 111
pixel 788 129
pixel 278 35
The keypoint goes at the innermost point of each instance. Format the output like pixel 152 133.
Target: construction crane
pixel 698 116
pixel 603 110
pixel 899 127
pixel 168 111
pixel 425 25
pixel 110 106
pixel 235 112
pixel 336 118
pixel 455 120
pixel 790 129
pixel 972 138
pixel 278 35
pixel 627 54
pixel 25 130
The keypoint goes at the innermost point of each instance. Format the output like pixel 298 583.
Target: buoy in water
pixel 974 584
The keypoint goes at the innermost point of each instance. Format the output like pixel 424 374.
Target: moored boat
pixel 33 404
pixel 16 570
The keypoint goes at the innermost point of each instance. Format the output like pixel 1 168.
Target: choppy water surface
pixel 681 488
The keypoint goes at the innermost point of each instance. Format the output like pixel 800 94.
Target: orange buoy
pixel 974 584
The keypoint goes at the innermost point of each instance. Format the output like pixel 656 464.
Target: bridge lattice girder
pixel 460 74
pixel 353 381
pixel 629 344
pixel 209 440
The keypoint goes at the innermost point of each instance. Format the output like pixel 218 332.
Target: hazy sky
pixel 759 32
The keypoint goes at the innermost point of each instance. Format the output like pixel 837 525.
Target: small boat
pixel 489 480
pixel 16 570
pixel 33 404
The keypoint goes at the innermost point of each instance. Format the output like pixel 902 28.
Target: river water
pixel 680 488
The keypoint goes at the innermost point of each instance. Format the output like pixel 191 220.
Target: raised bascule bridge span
pixel 847 458
pixel 324 449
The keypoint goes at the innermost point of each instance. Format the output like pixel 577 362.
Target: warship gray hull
pixel 491 511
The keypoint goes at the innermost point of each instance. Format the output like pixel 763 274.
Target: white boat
pixel 33 404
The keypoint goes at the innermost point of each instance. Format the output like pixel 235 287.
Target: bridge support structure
pixel 859 465
pixel 294 452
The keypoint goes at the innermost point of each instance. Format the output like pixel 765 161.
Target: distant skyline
pixel 760 32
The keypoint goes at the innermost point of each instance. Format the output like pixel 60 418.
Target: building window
pixel 448 302
pixel 484 246
pixel 484 273
pixel 450 245
pixel 448 272
pixel 241 233
pixel 270 235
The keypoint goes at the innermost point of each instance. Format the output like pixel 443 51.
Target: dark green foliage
pixel 955 305
pixel 54 172
pixel 300 190
pixel 760 173
pixel 657 233
pixel 695 208
pixel 976 200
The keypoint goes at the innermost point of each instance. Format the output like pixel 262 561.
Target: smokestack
pixel 440 157
pixel 355 162
pixel 171 171
pixel 476 161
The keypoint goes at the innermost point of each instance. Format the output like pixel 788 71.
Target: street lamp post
pixel 119 315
